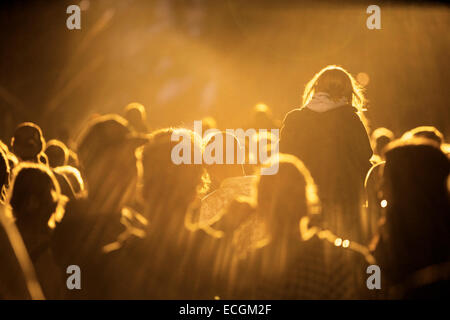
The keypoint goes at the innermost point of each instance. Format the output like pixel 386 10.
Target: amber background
pixel 187 59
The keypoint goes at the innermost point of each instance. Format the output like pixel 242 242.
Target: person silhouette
pixel 416 216
pixel 106 149
pixel 57 153
pixel 37 206
pixel 163 261
pixel 328 134
pixel 285 262
pixel 28 143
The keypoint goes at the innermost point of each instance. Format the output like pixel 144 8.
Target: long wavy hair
pixel 338 83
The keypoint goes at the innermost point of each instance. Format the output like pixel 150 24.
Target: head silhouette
pixel 415 173
pixel 337 83
pixel 136 116
pixel 106 154
pixel 380 139
pixel 57 153
pixel 35 197
pixel 428 132
pixel 28 142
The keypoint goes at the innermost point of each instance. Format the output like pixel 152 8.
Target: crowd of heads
pixel 141 226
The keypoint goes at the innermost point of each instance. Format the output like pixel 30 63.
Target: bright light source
pixel 338 242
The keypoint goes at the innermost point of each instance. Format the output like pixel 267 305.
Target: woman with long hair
pixel 328 134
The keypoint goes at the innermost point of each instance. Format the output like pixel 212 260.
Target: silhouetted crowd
pixel 139 226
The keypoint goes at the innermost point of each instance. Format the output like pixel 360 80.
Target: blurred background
pixel 186 59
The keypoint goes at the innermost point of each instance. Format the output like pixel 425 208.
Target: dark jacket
pixel 335 147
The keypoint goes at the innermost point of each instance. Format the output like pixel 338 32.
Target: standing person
pixel 37 204
pixel 294 260
pixel 328 134
pixel 413 248
pixel 161 258
pixel 106 149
